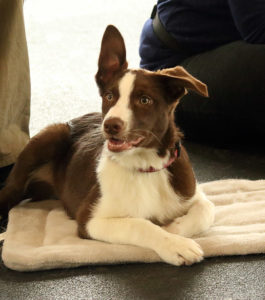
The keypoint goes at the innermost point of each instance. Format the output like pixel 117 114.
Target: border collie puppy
pixel 122 174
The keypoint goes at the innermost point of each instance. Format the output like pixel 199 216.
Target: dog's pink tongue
pixel 117 145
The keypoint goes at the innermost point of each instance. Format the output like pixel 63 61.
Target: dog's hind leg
pixel 51 143
pixel 199 217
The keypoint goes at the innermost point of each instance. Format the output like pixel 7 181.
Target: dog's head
pixel 138 105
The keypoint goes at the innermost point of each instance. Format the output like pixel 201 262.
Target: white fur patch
pixel 198 219
pixel 121 109
pixel 130 193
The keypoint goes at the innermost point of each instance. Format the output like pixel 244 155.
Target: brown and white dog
pixel 120 174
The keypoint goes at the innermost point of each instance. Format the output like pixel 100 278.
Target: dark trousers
pixel 235 110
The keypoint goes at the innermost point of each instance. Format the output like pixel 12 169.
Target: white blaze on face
pixel 121 108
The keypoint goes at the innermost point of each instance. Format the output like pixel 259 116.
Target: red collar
pixel 170 161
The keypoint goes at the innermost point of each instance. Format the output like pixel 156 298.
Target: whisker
pixel 135 131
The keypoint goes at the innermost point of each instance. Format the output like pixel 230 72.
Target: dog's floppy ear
pixel 178 81
pixel 112 58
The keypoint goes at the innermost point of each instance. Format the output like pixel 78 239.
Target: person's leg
pixel 235 110
pixel 14 84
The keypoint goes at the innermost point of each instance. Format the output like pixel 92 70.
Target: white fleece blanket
pixel 40 236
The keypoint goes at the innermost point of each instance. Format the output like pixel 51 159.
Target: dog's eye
pixel 146 100
pixel 108 96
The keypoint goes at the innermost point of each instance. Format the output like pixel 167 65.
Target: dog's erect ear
pixel 112 58
pixel 178 81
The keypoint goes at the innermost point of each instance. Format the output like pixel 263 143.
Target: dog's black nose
pixel 113 126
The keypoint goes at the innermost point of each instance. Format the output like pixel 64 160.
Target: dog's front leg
pixel 199 217
pixel 171 248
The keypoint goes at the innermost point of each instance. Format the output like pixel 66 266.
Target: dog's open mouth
pixel 117 145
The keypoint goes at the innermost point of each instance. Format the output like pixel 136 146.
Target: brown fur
pixel 182 177
pixel 80 180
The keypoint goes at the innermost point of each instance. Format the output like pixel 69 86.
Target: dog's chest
pixel 127 193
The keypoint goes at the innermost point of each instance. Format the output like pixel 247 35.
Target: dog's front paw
pixel 179 250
